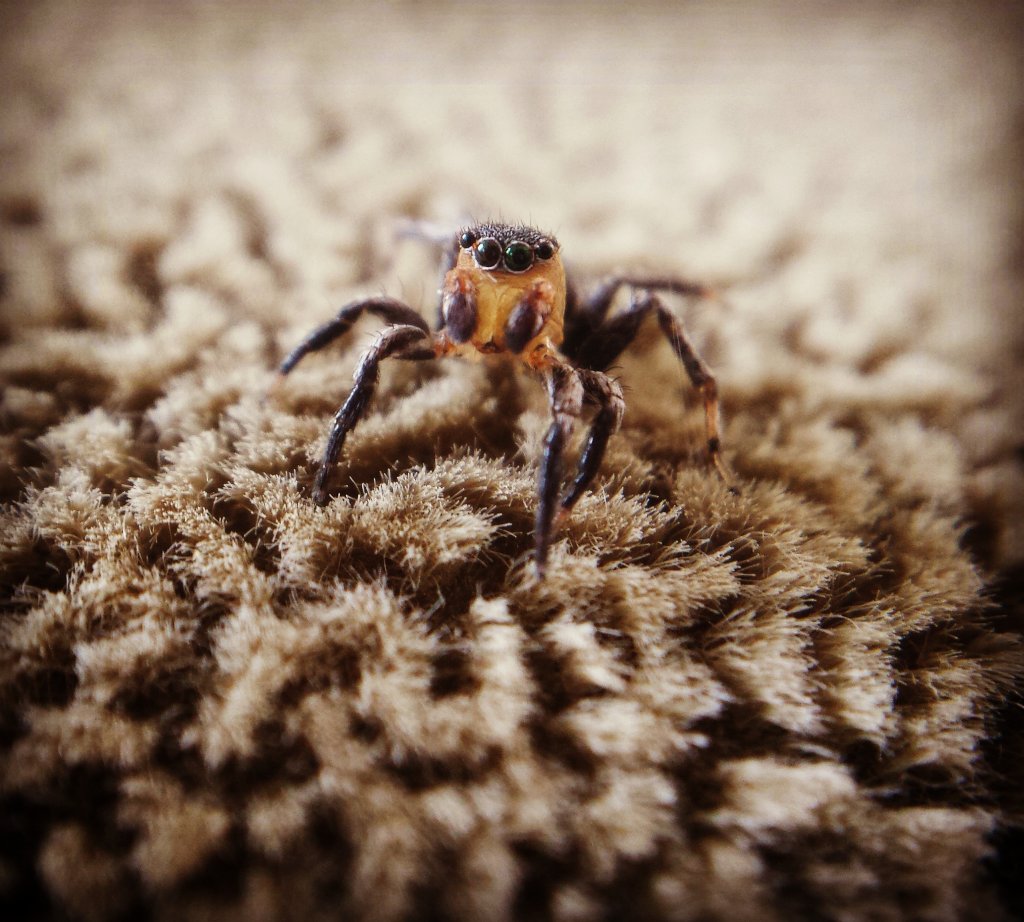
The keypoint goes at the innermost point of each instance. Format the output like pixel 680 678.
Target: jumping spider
pixel 505 291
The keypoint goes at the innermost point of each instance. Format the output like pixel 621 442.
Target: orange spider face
pixel 506 293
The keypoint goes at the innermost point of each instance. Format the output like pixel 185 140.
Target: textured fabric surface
pixel 220 701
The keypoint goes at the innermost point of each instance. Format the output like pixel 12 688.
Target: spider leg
pixel 572 298
pixel 609 340
pixel 578 322
pixel 388 309
pixel 565 390
pixel 433 233
pixel 606 393
pixel 404 342
pixel 585 319
pixel 449 257
pixel 439 236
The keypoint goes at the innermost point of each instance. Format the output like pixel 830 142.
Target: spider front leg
pixel 565 391
pixel 606 393
pixel 388 309
pixel 404 342
pixel 607 342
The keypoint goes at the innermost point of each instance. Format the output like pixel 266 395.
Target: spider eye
pixel 487 253
pixel 518 256
pixel 467 239
pixel 545 250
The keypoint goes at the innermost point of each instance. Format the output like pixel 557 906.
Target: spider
pixel 505 291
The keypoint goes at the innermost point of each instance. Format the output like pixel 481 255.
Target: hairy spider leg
pixel 565 391
pixel 606 393
pixel 389 309
pixel 403 342
pixel 446 242
pixel 449 257
pixel 584 317
pixel 608 341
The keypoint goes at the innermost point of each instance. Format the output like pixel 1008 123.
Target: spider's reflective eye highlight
pixel 545 250
pixel 467 239
pixel 487 253
pixel 518 256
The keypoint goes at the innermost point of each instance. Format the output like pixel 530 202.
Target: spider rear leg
pixel 703 380
pixel 390 310
pixel 404 342
pixel 608 341
pixel 438 236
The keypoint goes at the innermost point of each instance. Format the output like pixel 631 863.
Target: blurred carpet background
pixel 217 701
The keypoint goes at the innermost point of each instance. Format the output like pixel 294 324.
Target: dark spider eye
pixel 467 239
pixel 518 256
pixel 545 250
pixel 487 253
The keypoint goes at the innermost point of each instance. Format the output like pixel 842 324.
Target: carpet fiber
pixel 220 701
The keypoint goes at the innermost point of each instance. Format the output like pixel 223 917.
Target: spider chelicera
pixel 505 291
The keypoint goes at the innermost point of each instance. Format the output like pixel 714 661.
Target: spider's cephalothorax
pixel 505 291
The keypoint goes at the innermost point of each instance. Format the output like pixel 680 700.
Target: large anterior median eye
pixel 487 253
pixel 518 256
